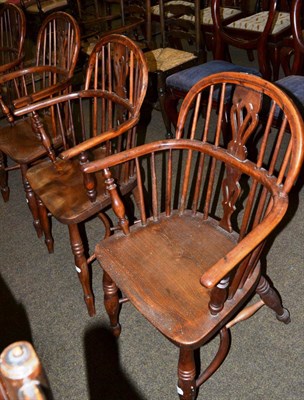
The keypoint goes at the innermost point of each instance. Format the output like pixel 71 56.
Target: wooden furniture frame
pixel 292 52
pixel 92 123
pixel 58 46
pixel 192 261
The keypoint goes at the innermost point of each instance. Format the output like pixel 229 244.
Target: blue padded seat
pixel 293 85
pixel 184 80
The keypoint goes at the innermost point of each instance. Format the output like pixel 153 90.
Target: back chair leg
pixel 31 201
pixel 186 386
pixel 3 178
pixel 45 225
pixel 272 300
pixel 111 302
pixel 81 266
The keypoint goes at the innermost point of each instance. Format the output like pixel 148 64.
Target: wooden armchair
pixel 12 35
pixel 58 45
pixel 191 264
pixel 92 123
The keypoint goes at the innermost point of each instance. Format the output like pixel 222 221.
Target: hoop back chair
pixel 12 36
pixel 192 260
pixel 92 123
pixel 58 46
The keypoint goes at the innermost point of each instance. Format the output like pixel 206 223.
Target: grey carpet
pixel 41 301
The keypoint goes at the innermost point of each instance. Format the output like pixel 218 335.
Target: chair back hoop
pixel 129 66
pixel 13 30
pixel 58 42
pixel 239 184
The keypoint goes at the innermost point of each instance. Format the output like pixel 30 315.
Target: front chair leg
pixel 3 178
pixel 31 200
pixel 272 300
pixel 186 386
pixel 81 266
pixel 111 302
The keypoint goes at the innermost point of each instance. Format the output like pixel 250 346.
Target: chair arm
pixel 41 94
pixel 226 264
pixel 97 140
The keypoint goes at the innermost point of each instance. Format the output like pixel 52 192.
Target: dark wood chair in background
pixel 174 53
pixel 101 18
pixel 293 58
pixel 12 36
pixel 179 84
pixel 292 53
pixel 58 46
pixel 249 27
pixel 92 123
pixel 44 7
pixel 191 264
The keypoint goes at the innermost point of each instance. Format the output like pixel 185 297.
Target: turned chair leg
pixel 81 266
pixel 111 302
pixel 271 298
pixel 186 386
pixel 5 191
pixel 45 225
pixel 31 201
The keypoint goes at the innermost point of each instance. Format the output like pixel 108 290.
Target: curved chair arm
pixel 226 264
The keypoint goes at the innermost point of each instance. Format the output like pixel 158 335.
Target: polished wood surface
pixel 207 205
pixel 92 123
pixel 57 50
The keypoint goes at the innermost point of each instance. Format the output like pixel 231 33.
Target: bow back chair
pixel 93 123
pixel 12 36
pixel 293 84
pixel 192 261
pixel 174 53
pixel 58 46
pixel 179 83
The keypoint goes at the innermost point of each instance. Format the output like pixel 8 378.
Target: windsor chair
pixel 192 261
pixel 92 123
pixel 57 50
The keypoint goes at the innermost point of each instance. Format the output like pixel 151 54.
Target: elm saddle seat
pixel 192 260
